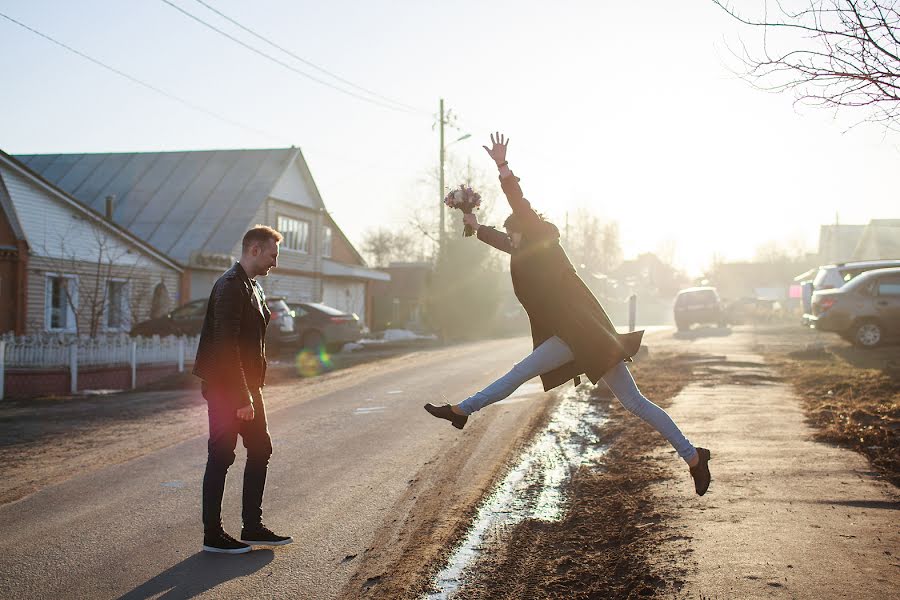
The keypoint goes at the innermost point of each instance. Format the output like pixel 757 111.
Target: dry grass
pixel 852 396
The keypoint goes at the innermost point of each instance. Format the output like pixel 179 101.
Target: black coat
pixel 231 355
pixel 556 299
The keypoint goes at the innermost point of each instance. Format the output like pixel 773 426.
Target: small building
pixel 65 269
pixel 195 206
pixel 880 240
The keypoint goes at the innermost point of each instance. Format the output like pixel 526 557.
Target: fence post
pixel 73 367
pixel 2 368
pixel 133 365
pixel 180 356
pixel 632 311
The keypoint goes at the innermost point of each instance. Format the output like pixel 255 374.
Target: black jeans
pixel 224 428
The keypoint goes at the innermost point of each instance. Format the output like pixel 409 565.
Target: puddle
pixel 533 488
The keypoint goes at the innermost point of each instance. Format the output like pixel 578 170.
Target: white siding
pixel 293 188
pixel 295 288
pixel 349 296
pixel 57 231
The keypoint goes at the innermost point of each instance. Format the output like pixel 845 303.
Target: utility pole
pixel 441 190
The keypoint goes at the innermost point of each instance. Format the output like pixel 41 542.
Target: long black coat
pixel 556 299
pixel 231 354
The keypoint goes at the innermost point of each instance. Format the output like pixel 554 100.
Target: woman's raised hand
pixel 497 151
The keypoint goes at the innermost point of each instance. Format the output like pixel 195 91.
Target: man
pixel 231 361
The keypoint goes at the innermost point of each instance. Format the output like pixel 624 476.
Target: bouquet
pixel 465 199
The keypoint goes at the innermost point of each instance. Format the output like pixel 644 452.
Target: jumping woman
pixel 571 333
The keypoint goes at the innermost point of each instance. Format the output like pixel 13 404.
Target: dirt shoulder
pixel 786 516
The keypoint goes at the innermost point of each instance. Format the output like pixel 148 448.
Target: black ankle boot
pixel 445 412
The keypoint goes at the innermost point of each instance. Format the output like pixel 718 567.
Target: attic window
pixel 295 232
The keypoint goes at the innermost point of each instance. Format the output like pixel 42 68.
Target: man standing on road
pixel 231 361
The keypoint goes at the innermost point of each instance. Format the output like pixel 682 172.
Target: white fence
pixel 40 352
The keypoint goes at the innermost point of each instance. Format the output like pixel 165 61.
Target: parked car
pixel 698 305
pixel 322 326
pixel 187 319
pixel 865 311
pixel 830 277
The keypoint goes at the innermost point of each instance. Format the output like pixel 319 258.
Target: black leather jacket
pixel 231 356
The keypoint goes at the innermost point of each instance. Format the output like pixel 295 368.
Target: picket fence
pixel 45 352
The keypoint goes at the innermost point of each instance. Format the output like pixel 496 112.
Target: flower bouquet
pixel 465 199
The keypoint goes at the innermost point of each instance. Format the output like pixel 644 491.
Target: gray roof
pixel 880 240
pixel 179 202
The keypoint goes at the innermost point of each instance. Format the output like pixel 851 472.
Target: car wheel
pixel 867 334
pixel 313 341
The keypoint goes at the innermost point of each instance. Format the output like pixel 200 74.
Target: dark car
pixel 865 311
pixel 698 305
pixel 322 326
pixel 187 319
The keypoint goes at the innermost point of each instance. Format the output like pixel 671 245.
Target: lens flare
pixel 310 364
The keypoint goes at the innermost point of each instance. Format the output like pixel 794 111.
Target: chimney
pixel 110 206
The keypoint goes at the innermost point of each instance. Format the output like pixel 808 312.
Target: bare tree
pixel 831 53
pixel 382 245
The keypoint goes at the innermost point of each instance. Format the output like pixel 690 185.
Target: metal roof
pixel 179 202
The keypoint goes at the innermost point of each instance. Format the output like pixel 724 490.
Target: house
pixel 838 242
pixel 64 268
pixel 880 240
pixel 400 302
pixel 195 207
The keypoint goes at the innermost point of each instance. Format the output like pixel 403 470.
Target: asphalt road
pixel 342 460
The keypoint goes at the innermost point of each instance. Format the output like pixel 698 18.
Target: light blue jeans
pixel 555 353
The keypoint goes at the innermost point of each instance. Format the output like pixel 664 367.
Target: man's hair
pixel 260 234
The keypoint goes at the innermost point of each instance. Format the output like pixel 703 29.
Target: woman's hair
pixel 512 225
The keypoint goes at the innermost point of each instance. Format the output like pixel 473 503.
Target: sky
pixel 633 113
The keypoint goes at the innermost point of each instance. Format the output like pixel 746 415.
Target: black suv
pixel 865 311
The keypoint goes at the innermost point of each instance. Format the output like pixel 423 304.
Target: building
pixel 66 269
pixel 195 206
pixel 880 240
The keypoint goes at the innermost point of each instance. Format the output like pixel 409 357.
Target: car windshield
pixel 328 310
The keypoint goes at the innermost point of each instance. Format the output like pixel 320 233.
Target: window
pixel 117 304
pixel 295 232
pixel 889 287
pixel 60 300
pixel 326 241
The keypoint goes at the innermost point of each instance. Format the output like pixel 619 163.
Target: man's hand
pixel 246 413
pixel 471 221
pixel 497 151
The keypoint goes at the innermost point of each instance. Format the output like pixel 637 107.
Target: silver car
pixel 865 311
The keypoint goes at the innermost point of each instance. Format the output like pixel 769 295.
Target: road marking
pixel 368 409
pixel 395 392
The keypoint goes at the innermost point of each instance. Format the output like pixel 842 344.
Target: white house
pixel 64 268
pixel 195 207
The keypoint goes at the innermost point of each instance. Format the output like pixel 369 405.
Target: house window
pixel 326 241
pixel 295 232
pixel 117 304
pixel 60 301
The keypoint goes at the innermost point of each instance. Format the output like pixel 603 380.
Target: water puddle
pixel 533 488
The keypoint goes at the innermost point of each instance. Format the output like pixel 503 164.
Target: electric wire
pixel 308 63
pixel 144 84
pixel 286 65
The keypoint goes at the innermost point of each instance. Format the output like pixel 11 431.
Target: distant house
pixel 196 206
pixel 400 302
pixel 64 268
pixel 880 240
pixel 837 243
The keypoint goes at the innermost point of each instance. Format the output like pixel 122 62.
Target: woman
pixel 571 332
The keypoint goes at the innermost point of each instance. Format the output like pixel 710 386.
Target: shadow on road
pixel 199 573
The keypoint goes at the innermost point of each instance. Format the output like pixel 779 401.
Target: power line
pixel 308 63
pixel 284 64
pixel 142 83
